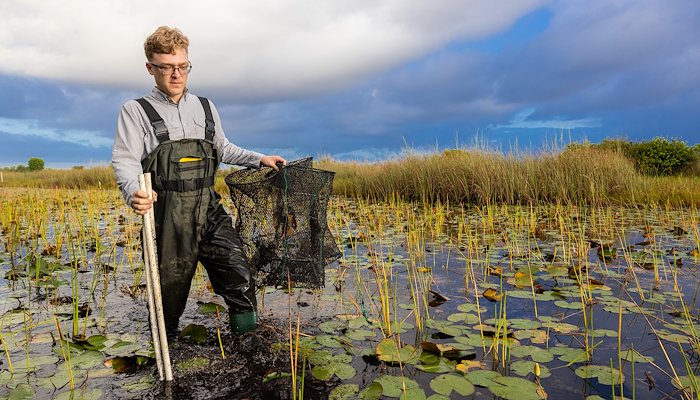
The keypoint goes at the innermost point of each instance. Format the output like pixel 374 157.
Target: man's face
pixel 174 83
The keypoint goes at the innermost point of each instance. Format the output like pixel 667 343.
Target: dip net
pixel 282 222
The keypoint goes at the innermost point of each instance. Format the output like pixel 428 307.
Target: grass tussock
pixel 574 176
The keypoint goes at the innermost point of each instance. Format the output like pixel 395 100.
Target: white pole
pixel 153 277
pixel 152 311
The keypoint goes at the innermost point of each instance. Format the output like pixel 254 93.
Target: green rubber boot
pixel 243 322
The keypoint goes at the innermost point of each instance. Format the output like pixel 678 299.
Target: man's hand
pixel 141 203
pixel 271 161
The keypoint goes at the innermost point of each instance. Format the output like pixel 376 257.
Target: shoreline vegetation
pixel 575 175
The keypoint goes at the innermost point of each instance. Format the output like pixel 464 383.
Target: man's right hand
pixel 141 203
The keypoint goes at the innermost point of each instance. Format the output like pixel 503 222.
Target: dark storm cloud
pixel 625 68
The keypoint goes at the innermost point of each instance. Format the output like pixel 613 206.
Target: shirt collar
pixel 163 97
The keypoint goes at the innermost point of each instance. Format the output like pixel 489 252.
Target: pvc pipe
pixel 159 336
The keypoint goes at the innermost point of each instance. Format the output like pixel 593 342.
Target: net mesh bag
pixel 282 222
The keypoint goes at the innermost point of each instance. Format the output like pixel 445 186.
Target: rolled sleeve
pixel 128 150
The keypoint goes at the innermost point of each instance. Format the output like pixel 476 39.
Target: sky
pixel 356 79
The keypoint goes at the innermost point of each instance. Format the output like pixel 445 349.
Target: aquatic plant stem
pixel 7 354
pixel 218 333
pixel 65 350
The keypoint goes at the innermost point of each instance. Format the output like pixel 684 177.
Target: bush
pixel 35 164
pixel 661 157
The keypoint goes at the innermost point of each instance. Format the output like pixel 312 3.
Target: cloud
pixel 369 154
pixel 360 79
pixel 603 53
pixel 31 127
pixel 521 121
pixel 247 49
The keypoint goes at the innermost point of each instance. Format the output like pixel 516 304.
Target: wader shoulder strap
pixel 156 121
pixel 210 129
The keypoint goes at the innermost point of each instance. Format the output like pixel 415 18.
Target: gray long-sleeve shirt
pixel 135 138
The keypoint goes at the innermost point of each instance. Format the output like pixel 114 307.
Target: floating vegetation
pixel 428 301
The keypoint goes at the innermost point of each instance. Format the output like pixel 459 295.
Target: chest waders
pixel 191 225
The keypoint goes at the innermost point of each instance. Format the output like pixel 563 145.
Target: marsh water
pixel 428 301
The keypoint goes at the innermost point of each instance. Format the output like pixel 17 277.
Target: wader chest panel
pixel 191 225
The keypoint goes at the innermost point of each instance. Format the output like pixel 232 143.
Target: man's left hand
pixel 271 161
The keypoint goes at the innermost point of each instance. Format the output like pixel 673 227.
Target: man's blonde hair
pixel 165 40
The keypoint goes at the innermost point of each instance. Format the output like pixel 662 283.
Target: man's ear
pixel 149 68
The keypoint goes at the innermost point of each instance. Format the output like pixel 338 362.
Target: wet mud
pixel 250 358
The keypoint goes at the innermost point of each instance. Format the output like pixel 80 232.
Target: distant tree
pixel 20 168
pixel 661 156
pixel 35 164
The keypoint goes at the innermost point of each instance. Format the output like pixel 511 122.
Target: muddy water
pixel 106 279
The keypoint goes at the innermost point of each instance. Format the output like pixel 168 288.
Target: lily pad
pixel 194 332
pixel 97 341
pixel 323 357
pixel 327 371
pixel 144 383
pixel 482 377
pixel 344 392
pixel 474 340
pixel 435 364
pixel 446 384
pixel 602 332
pixel 388 350
pixel 535 335
pixel 464 318
pixel 605 374
pixel 563 327
pixel 671 336
pixel 568 354
pixel 492 295
pixel 22 391
pixel 335 342
pixel 392 386
pixel 633 355
pixel 87 359
pixel 371 392
pixel 128 364
pixel 332 326
pixel 514 388
pixel 211 308
pixel 685 381
pixel 524 368
pixel 471 307
pixel 193 364
pixel 359 334
pixel 537 354
pixel 445 327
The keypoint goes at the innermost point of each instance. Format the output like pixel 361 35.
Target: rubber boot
pixel 243 322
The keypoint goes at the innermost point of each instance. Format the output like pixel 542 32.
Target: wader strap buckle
pixel 187 185
pixel 156 121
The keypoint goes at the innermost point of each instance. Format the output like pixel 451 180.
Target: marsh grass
pixel 575 176
pixel 76 178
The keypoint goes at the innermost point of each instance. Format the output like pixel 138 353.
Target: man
pixel 178 138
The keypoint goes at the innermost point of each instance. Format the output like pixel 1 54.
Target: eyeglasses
pixel 170 69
